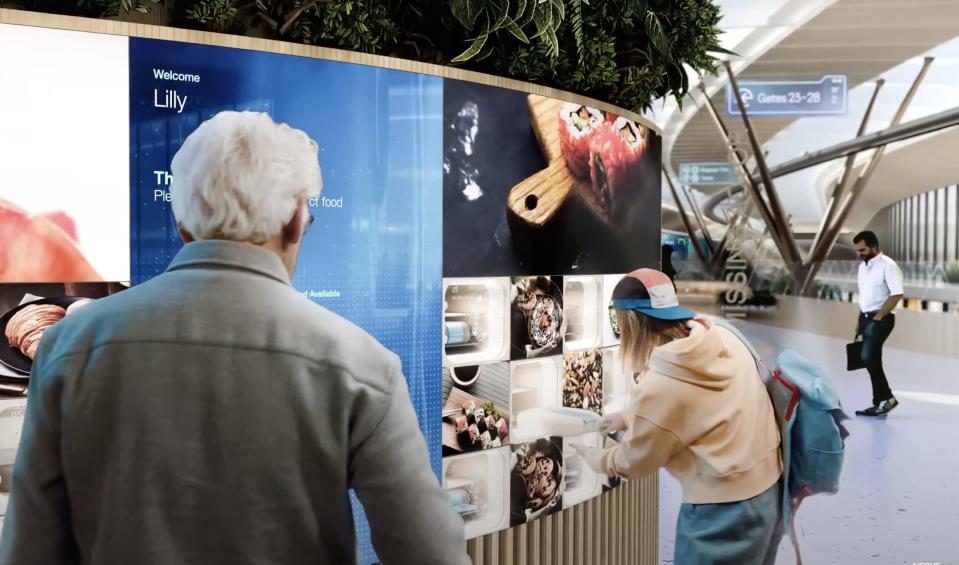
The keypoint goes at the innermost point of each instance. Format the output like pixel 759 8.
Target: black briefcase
pixel 854 355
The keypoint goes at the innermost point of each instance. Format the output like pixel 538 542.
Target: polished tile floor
pixel 899 498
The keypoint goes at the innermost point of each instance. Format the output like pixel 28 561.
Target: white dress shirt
pixel 879 278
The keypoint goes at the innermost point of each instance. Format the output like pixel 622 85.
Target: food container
pixel 582 483
pixel 481 481
pixel 584 312
pixel 12 411
pixel 535 384
pixel 610 333
pixel 617 382
pixel 475 321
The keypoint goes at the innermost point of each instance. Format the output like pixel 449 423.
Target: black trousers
pixel 874 335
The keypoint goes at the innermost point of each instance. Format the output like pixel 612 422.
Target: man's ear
pixel 293 230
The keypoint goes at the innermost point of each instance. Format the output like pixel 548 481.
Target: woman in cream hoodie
pixel 700 410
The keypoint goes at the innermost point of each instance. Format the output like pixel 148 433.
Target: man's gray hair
pixel 238 176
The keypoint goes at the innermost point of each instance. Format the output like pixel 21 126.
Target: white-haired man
pixel 213 415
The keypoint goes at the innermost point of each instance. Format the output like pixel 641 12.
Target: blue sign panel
pixel 373 255
pixel 715 174
pixel 824 97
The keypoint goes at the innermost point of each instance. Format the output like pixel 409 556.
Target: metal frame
pixel 682 215
pixel 831 234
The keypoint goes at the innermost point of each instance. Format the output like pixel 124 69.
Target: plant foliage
pixel 627 52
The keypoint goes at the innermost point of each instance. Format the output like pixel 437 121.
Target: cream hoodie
pixel 702 412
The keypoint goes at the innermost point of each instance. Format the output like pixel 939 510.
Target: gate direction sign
pixel 827 96
pixel 708 174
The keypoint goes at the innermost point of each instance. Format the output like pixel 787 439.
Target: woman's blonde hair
pixel 640 334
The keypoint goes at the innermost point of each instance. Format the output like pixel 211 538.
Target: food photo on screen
pixel 537 322
pixel 537 479
pixel 533 184
pixel 29 310
pixel 475 407
pixel 583 380
pixel 64 163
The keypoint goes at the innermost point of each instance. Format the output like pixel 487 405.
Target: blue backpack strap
pixel 735 331
pixel 784 396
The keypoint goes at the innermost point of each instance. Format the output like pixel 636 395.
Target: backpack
pixel 809 415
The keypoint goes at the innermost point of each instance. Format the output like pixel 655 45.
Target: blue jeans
pixel 733 533
pixel 874 335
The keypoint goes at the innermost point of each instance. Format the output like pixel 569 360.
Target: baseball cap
pixel 650 292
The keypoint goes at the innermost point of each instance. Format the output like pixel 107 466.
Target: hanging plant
pixel 627 52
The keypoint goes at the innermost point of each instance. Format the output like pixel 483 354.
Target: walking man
pixel 880 290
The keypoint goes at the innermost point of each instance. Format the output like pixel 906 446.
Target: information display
pixel 475 231
pixel 784 98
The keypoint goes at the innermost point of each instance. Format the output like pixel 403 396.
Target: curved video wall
pixel 475 231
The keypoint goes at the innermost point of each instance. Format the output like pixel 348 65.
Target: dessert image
pixel 27 311
pixel 26 326
pixel 537 320
pixel 537 480
pixel 583 380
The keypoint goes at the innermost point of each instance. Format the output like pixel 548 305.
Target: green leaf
pixel 520 10
pixel 654 29
pixel 528 13
pixel 576 21
pixel 561 10
pixel 466 11
pixel 473 49
pixel 501 17
pixel 543 20
pixel 517 32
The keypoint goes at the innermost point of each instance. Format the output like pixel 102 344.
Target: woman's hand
pixel 592 455
pixel 612 423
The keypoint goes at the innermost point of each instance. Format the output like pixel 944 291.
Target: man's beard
pixel 868 257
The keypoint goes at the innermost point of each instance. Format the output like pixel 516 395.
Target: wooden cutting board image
pixel 538 200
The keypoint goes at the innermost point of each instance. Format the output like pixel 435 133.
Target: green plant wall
pixel 626 52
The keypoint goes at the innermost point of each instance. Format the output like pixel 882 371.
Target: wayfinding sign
pixel 827 96
pixel 708 174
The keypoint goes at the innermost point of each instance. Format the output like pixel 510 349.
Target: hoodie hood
pixel 703 359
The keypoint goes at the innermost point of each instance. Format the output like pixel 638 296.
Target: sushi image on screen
pixel 533 184
pixel 476 415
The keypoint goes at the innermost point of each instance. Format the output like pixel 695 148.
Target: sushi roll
pixel 481 424
pixel 474 435
pixel 469 406
pixel 578 125
pixel 497 442
pixel 616 153
pixel 464 439
pixel 490 422
pixel 460 423
pixel 485 440
pixel 502 428
pixel 493 434
pixel 470 419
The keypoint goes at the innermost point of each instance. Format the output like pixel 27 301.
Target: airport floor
pixel 898 501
